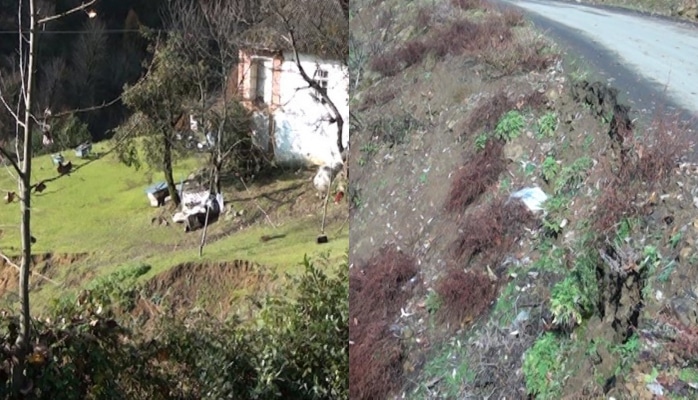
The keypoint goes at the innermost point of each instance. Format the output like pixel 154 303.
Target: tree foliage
pixel 159 102
pixel 296 349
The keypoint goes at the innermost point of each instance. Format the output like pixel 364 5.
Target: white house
pixel 302 127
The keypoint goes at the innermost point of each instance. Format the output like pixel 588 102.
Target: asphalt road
pixel 653 61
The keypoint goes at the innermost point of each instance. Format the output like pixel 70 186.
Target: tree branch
pixel 313 84
pixel 12 160
pixel 86 109
pixel 10 263
pixel 73 10
pixel 7 106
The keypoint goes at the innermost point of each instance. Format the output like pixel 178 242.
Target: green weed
pixel 547 124
pixel 689 375
pixel 550 168
pixel 509 126
pixel 565 302
pixel 432 302
pixel 675 239
pixel 481 141
pixel 571 176
pixel 543 366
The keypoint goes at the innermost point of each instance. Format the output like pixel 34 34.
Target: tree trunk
pixel 167 170
pixel 24 337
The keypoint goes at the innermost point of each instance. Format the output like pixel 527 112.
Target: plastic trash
pixel 533 198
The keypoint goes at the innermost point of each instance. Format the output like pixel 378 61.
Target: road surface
pixel 651 60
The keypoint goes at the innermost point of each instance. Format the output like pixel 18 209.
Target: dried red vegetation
pixel 464 296
pixel 491 230
pixel 376 97
pixel 643 165
pixel 467 5
pixel 659 153
pixel 473 178
pixel 616 202
pixel 465 36
pixel 458 37
pixel 376 293
pixel 488 111
pixel 512 16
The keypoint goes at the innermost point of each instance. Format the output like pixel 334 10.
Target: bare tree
pixel 25 122
pixel 212 32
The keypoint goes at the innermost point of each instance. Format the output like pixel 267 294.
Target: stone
pixel 512 151
pixel 685 253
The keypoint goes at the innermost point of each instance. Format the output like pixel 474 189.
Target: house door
pixel 262 76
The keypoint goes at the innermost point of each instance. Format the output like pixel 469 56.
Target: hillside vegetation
pixel 458 288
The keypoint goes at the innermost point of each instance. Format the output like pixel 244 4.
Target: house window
pixel 321 78
pixel 260 80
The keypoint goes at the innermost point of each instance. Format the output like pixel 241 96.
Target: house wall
pixel 300 125
pixel 302 128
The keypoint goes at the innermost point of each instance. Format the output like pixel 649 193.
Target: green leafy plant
pixel 554 212
pixel 550 168
pixel 675 239
pixel 566 303
pixel 369 149
pixel 571 176
pixel 547 124
pixel 432 302
pixel 541 362
pixel 509 126
pixel 481 141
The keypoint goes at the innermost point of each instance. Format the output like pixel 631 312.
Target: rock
pixel 685 253
pixel 685 310
pixel 512 151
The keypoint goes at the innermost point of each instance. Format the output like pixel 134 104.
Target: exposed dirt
pixel 216 287
pixel 416 138
pixel 46 265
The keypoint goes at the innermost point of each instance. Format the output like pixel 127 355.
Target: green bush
pixel 296 349
pixel 67 133
pixel 547 125
pixel 509 126
pixel 542 362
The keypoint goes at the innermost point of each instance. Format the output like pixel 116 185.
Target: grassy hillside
pixel 97 220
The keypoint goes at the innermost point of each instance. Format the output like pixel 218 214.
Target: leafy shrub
pixel 67 132
pixel 296 350
pixel 541 362
pixel 550 168
pixel 481 141
pixel 547 124
pixel 571 176
pixel 509 126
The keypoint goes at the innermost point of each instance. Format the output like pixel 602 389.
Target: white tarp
pixel 532 197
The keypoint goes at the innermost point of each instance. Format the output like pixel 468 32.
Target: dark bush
pixel 376 293
pixel 491 229
pixel 463 296
pixel 297 349
pixel 479 173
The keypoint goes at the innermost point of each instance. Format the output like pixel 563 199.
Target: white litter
pixel 532 197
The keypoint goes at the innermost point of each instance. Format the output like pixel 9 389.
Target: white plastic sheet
pixel 532 197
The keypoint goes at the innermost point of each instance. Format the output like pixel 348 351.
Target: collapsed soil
pixel 46 265
pixel 216 287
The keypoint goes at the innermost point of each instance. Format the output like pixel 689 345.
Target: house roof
pixel 320 28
